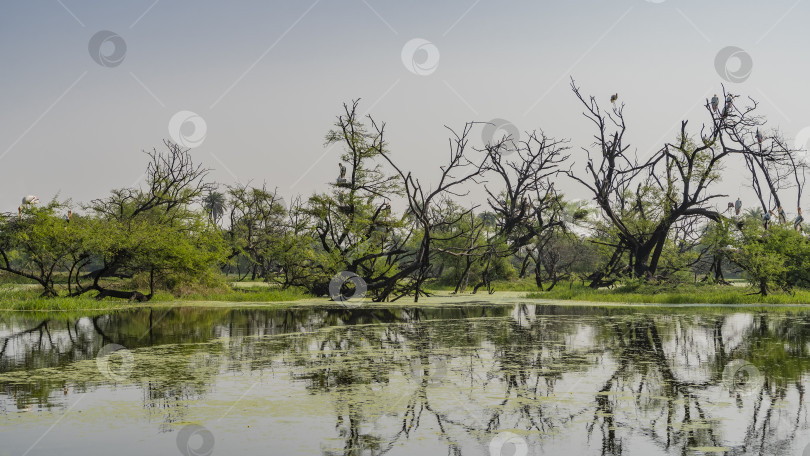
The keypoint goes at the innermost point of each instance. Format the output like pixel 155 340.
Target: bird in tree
pixel 715 103
pixel 342 176
pixel 729 105
pixel 30 200
pixel 614 97
pixel 737 206
pixel 27 201
pixel 759 136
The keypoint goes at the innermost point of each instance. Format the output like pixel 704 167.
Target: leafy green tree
pixel 154 233
pixel 776 258
pixel 257 221
pixel 714 248
pixel 39 244
pixel 353 223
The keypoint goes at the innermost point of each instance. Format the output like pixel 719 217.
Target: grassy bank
pixel 26 297
pixel 525 284
pixel 680 294
pixel 21 296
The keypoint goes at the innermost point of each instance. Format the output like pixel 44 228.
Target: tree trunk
pixel 718 269
pixel 538 274
pixel 462 281
pixel 523 267
pixel 130 295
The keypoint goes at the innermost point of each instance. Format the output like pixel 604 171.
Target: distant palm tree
pixel 215 204
pixel 754 214
pixel 489 219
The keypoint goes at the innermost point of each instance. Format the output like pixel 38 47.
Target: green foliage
pixel 677 257
pixel 26 298
pixel 39 243
pixel 638 292
pixel 174 246
pixel 154 232
pixel 774 259
pixel 353 228
pixel 177 233
pixel 258 221
pixel 215 204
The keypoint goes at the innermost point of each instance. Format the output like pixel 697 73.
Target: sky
pixel 253 86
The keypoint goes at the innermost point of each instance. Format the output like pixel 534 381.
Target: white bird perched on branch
pixel 28 200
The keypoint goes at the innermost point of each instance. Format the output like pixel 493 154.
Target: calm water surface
pixel 460 380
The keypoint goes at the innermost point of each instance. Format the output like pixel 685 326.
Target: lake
pixel 514 379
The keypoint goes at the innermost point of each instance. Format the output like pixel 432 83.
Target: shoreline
pixel 438 299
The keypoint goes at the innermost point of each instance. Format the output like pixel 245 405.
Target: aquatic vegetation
pixel 454 377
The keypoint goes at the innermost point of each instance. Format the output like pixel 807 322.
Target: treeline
pixel 655 220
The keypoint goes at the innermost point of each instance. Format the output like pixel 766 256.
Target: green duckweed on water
pixel 386 378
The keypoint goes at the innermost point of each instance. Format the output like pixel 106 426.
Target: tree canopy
pixel 657 218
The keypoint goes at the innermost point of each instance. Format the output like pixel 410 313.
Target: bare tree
pixel 643 201
pixel 524 200
pixel 353 224
pixel 423 202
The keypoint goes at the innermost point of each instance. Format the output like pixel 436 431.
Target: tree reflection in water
pixel 594 380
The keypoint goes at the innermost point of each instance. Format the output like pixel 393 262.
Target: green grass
pixel 20 296
pixel 680 294
pixel 16 300
pixel 241 294
pixel 525 284
pixel 26 297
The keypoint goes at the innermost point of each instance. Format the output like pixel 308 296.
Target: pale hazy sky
pixel 269 77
